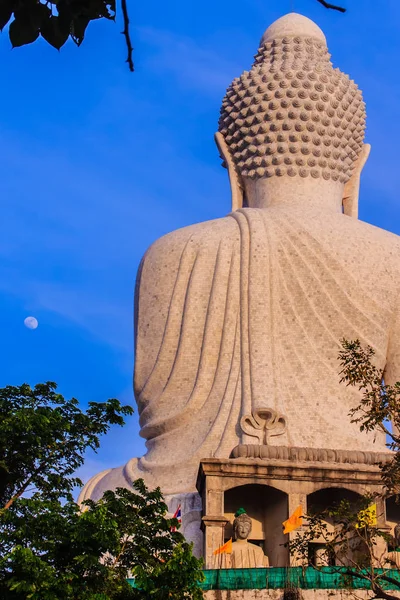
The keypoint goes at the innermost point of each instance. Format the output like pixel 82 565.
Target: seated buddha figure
pixel 244 555
pixel 239 320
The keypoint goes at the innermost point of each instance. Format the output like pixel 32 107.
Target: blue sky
pixel 96 163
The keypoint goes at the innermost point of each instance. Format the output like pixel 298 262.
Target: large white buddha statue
pixel 239 320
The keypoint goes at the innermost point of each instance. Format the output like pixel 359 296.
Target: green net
pixel 282 577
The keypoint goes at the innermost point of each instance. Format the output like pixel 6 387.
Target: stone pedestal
pixel 277 481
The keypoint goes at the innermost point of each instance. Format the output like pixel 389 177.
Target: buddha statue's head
pixel 292 121
pixel 241 525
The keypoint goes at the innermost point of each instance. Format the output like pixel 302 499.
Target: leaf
pixel 32 12
pixel 22 32
pixel 54 32
pixel 6 11
pixel 66 13
pixel 96 9
pixel 40 14
pixel 78 28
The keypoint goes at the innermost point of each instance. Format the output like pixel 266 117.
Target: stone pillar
pixel 213 521
pixel 380 550
pixel 214 529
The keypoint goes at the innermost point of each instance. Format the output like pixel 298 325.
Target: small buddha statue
pixel 245 555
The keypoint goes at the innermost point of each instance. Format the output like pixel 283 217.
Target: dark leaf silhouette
pixel 6 11
pixel 22 32
pixel 54 32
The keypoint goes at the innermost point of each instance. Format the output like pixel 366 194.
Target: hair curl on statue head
pixel 293 114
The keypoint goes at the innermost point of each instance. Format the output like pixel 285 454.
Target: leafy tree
pixel 43 438
pixel 379 406
pixel 58 20
pixel 54 551
pixel 51 549
pixel 354 545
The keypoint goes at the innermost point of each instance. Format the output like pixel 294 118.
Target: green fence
pixel 278 578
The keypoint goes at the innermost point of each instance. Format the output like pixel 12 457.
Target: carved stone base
pixel 271 482
pixel 310 454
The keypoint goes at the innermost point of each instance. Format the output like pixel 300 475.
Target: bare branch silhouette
pixel 127 35
pixel 332 6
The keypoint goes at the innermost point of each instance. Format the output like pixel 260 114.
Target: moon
pixel 31 322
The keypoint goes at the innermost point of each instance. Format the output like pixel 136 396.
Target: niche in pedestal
pixel 268 508
pixel 317 503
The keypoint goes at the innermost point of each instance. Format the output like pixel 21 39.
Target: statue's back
pixel 251 321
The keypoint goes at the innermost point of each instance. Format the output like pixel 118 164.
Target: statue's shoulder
pixel 378 232
pixel 377 251
pixel 200 235
pixel 378 238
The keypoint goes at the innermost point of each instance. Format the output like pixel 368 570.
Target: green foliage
pixel 380 403
pixel 175 579
pixel 43 438
pixel 352 546
pixel 51 549
pixel 160 560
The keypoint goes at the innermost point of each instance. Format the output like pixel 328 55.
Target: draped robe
pixel 246 313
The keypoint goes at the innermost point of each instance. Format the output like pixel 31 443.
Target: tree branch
pixel 24 486
pixel 332 6
pixel 127 35
pixel 375 587
pixel 389 579
pixel 380 593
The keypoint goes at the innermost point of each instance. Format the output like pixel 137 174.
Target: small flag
pixel 367 517
pixel 178 516
pixel 225 548
pixel 294 521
